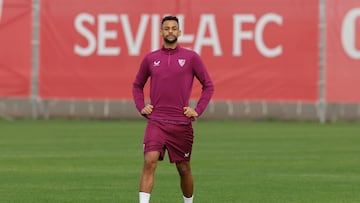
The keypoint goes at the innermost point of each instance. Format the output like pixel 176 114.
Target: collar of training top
pixel 170 51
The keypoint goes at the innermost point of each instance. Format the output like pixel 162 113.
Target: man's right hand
pixel 147 109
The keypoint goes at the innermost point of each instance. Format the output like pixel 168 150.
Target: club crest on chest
pixel 181 62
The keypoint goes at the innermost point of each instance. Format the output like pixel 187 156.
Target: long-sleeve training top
pixel 172 73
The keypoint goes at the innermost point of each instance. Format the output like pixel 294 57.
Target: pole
pixel 35 57
pixel 322 62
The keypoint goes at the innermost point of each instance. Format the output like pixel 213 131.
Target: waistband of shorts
pixel 171 121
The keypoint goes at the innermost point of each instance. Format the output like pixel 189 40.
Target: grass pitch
pixel 233 162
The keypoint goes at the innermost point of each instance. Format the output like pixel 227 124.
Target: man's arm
pixel 138 85
pixel 203 76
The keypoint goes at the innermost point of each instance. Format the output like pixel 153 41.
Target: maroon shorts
pixel 177 139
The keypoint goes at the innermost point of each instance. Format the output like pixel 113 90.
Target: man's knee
pixel 150 160
pixel 183 168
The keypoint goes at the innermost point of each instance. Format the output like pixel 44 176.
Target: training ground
pixel 83 161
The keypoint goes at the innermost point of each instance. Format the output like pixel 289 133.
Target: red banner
pixel 15 48
pixel 254 50
pixel 343 51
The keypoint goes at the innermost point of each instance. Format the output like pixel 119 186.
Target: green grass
pixel 254 162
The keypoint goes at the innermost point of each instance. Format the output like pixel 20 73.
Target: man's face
pixel 170 31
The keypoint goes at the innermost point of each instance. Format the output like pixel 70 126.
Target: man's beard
pixel 173 41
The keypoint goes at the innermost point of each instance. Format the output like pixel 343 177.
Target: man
pixel 172 70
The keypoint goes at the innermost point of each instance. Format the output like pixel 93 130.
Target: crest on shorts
pixel 181 62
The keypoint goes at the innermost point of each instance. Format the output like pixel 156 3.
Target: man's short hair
pixel 170 18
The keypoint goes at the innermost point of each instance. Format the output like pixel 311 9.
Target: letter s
pixel 79 26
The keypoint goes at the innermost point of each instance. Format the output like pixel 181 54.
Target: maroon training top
pixel 172 72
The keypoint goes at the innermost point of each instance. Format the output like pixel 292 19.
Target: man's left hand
pixel 190 112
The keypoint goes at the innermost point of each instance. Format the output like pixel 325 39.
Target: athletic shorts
pixel 177 139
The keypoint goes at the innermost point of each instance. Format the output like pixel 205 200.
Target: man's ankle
pixel 144 197
pixel 188 199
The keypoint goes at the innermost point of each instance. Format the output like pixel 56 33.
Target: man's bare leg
pixel 186 180
pixel 147 176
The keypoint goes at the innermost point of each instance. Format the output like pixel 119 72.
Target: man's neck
pixel 170 46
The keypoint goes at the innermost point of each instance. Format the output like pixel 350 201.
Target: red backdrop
pixel 15 48
pixel 343 51
pixel 254 50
